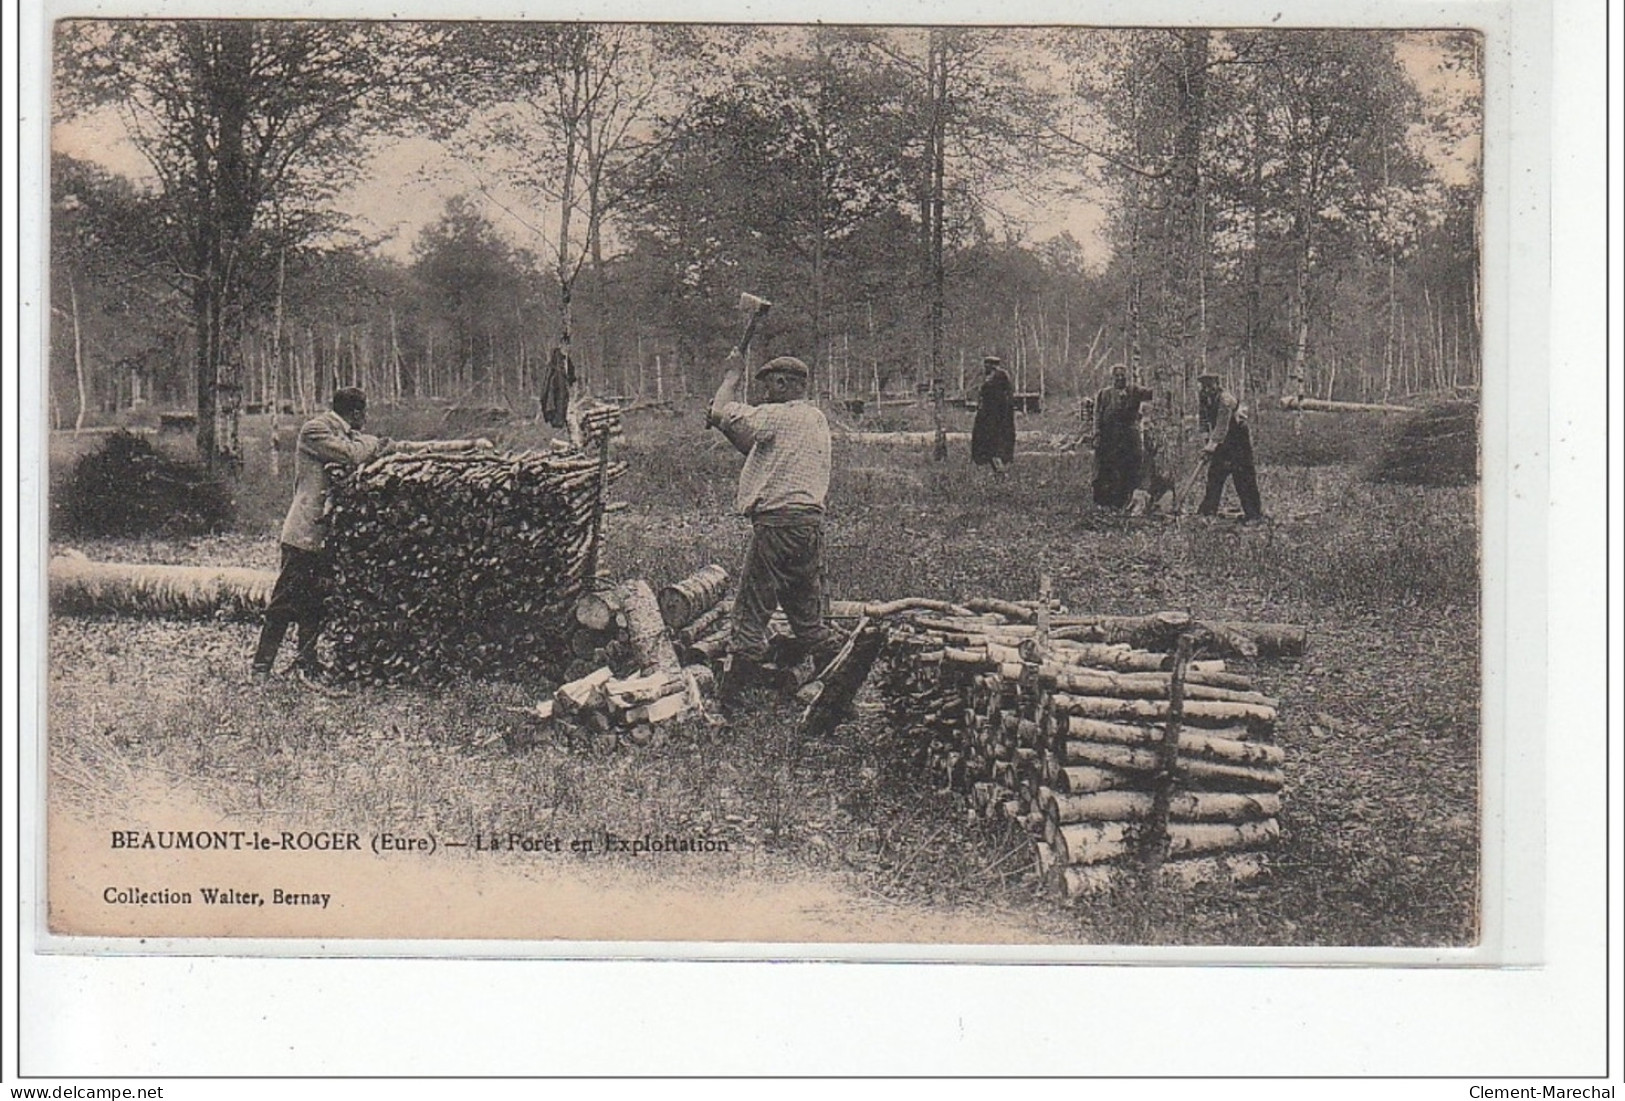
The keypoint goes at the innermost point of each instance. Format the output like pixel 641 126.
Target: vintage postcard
pixel 805 484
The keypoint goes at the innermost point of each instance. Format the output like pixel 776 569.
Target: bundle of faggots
pixel 459 564
pixel 1069 738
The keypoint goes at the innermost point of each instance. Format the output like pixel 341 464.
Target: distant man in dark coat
pixel 1229 450
pixel 1117 439
pixel 993 433
pixel 300 594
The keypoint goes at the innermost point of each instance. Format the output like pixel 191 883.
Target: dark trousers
pixel 300 597
pixel 784 569
pixel 1232 459
pixel 1117 470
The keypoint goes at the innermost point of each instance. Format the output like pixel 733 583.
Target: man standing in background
pixel 993 432
pixel 1117 439
pixel 1229 450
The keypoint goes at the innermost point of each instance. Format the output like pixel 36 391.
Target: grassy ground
pixel 1379 721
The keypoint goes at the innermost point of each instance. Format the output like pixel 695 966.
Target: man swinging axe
pixel 782 486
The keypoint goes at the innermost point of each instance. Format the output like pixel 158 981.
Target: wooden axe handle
pixel 750 329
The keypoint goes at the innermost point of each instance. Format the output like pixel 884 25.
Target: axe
pixel 758 308
pixel 1190 484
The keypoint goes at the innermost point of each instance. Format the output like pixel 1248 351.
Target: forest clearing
pixel 1378 719
pixel 1245 251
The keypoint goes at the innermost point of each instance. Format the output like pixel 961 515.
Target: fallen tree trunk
pixel 1320 405
pixel 79 586
pixel 1050 441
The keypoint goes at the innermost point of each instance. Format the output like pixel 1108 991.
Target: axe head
pixel 750 303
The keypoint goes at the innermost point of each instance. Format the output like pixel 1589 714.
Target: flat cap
pixel 785 365
pixel 991 361
pixel 1207 376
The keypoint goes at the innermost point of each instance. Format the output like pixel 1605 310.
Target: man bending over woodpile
pixel 1228 450
pixel 782 486
pixel 300 594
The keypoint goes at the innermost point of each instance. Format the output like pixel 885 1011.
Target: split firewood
pixel 660 710
pixel 583 694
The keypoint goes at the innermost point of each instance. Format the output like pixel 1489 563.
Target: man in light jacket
pixel 300 594
pixel 782 486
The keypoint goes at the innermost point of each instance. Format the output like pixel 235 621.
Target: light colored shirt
pixel 789 459
pixel 325 438
pixel 1224 412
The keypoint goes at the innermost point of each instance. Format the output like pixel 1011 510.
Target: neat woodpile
pixel 454 564
pixel 1120 761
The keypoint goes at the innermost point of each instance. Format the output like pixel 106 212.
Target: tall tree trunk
pixel 939 162
pixel 78 359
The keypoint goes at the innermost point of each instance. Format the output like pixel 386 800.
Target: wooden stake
pixel 1154 843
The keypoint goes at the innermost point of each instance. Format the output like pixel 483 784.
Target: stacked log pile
pixel 1071 739
pixel 459 564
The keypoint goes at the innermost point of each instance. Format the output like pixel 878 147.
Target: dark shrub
pixel 127 487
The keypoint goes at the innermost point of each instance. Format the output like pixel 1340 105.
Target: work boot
pixel 739 674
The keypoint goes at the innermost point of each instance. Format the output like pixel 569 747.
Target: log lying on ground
pixel 1038 441
pixel 1206 713
pixel 79 586
pixel 1080 881
pixel 1136 806
pixel 1099 843
pixel 1320 405
pixel 684 602
pixel 1159 631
